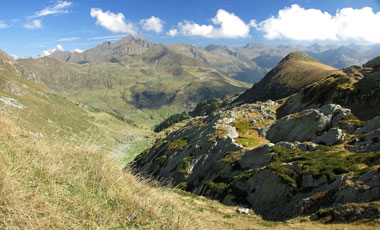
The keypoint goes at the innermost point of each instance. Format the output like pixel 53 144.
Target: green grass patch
pixel 179 143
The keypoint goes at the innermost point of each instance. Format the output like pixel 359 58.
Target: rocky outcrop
pixel 223 157
pixel 310 125
pixel 355 87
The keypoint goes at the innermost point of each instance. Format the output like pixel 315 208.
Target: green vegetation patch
pixel 247 135
pixel 173 119
pixel 186 165
pixel 322 161
pixel 179 143
pixel 213 188
pixel 231 157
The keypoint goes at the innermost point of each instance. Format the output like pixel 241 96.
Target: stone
pixel 307 181
pixel 299 127
pixel 243 211
pixel 372 125
pixel 331 137
pixel 257 157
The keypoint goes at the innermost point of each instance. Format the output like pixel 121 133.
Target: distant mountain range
pixel 132 79
pixel 247 63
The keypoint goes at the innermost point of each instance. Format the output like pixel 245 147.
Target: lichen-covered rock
pixel 308 124
pixel 331 137
pixel 258 157
pixel 298 174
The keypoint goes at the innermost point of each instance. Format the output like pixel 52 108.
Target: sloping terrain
pixel 141 89
pixel 42 112
pixel 356 87
pixel 303 164
pixel 55 172
pixel 317 159
pixel 225 59
pixel 293 73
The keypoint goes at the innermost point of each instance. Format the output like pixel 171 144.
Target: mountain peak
pixel 293 73
pixel 296 55
pixel 8 63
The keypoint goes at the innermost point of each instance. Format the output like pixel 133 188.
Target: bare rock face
pixel 331 137
pixel 299 173
pixel 308 124
pixel 371 126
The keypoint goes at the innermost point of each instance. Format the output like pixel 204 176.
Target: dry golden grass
pixel 53 187
pixel 45 186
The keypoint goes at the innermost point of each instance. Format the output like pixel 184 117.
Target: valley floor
pixel 62 186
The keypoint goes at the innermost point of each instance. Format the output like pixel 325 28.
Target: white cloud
pixel 78 50
pixel 152 24
pixel 301 24
pixel 51 50
pixel 228 26
pixel 3 25
pixel 111 21
pixel 172 32
pixel 107 37
pixel 67 39
pixel 59 7
pixel 35 24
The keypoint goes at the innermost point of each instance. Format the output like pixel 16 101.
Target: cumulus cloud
pixel 59 7
pixel 111 21
pixel 152 24
pixel 225 25
pixel 35 24
pixel 301 24
pixel 172 32
pixel 51 50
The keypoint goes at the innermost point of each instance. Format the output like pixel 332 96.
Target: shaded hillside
pixel 294 72
pixel 140 88
pixel 356 87
pixel 223 58
pixel 56 173
pixel 316 162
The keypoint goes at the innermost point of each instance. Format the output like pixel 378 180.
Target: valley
pixel 138 135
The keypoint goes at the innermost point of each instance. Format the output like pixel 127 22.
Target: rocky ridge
pixel 244 156
pixel 355 87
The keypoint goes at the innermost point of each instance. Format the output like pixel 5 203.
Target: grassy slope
pixel 46 113
pixel 144 90
pixel 294 72
pixel 63 186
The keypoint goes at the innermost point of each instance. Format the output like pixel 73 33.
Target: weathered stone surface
pixel 257 157
pixel 301 127
pixel 371 142
pixel 306 125
pixel 372 125
pixel 274 180
pixel 331 137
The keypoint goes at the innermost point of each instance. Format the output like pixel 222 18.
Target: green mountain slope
pixel 223 58
pixel 355 87
pixel 294 72
pixel 142 89
pixel 44 113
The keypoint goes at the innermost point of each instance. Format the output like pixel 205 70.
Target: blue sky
pixel 29 27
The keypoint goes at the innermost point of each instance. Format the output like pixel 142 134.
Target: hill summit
pixel 293 73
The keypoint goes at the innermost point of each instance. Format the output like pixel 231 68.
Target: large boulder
pixel 307 125
pixel 331 137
